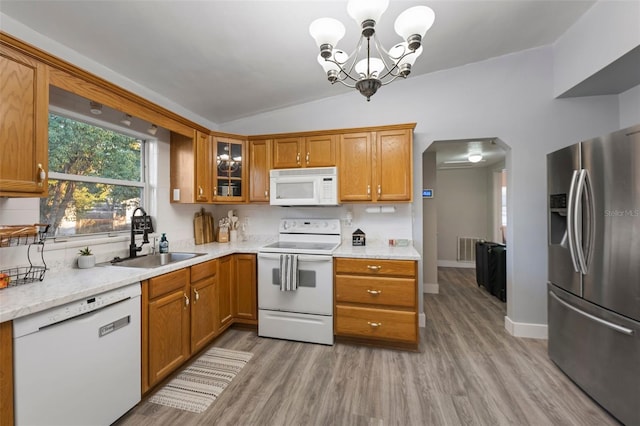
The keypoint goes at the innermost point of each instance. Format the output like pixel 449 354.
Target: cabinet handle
pixel 374 324
pixel 374 292
pixel 196 296
pixel 379 190
pixel 307 158
pixel 298 158
pixel 374 267
pixel 42 175
pixel 215 191
pixel 200 190
pixel 368 189
pixel 266 194
pixel 186 300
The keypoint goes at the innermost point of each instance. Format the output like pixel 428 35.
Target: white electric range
pixel 305 313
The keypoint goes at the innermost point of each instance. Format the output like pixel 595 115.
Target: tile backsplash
pixel 261 224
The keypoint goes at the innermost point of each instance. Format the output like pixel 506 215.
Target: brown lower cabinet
pixel 6 373
pixel 245 306
pixel 168 324
pixel 184 310
pixel 225 277
pixel 376 301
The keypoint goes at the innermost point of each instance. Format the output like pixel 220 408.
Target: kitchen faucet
pixel 133 249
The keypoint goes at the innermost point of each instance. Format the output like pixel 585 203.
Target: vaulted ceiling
pixel 225 60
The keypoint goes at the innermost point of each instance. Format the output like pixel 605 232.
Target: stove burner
pixel 306 236
pixel 300 247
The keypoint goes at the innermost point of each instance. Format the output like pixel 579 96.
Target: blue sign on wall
pixel 427 193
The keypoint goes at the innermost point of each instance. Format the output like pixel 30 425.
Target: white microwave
pixel 313 186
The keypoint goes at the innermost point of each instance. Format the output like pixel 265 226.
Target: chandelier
pixel 370 65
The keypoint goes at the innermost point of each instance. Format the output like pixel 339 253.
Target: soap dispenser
pixel 164 244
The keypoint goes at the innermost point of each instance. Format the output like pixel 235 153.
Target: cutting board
pixel 203 227
pixel 198 227
pixel 208 225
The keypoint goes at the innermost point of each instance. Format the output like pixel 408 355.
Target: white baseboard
pixel 455 264
pixel 523 329
pixel 431 288
pixel 422 320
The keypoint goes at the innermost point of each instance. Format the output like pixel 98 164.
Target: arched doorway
pixel 467 202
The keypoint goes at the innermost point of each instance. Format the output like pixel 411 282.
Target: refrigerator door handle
pixel 577 222
pixel 571 207
pixel 616 327
pixel 591 229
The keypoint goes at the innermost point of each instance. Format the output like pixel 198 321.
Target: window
pixel 96 178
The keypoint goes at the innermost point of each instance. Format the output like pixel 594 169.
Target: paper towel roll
pixel 381 209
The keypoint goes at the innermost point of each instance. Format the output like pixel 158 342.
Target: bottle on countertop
pixel 164 244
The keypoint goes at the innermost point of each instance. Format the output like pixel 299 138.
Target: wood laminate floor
pixel 469 371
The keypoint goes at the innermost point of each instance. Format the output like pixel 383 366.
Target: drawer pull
pixel 374 324
pixel 374 292
pixel 374 267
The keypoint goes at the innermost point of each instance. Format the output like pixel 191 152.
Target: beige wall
pixel 463 208
pixel 430 223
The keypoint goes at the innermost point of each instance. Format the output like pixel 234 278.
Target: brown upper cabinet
pixel 259 166
pixel 376 166
pixel 311 151
pixel 24 103
pixel 189 170
pixel 229 170
pixel 203 192
pixel 207 169
pixel 355 170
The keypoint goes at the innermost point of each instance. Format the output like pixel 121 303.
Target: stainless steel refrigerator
pixel 594 268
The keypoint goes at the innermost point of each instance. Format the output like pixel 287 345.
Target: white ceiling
pixel 225 60
pixel 453 154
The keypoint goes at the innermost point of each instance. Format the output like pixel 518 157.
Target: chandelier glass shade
pixel 370 66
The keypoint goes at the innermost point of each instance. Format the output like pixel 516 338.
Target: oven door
pixel 315 285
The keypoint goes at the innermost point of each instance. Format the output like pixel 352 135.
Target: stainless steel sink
pixel 155 260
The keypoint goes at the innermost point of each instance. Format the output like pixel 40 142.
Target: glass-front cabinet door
pixel 229 175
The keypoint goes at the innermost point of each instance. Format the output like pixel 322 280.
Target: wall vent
pixel 467 249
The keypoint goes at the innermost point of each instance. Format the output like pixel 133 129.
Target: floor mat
pixel 198 385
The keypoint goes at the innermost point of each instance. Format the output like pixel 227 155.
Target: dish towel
pixel 288 272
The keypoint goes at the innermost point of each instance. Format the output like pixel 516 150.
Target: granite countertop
pixel 60 287
pixel 377 252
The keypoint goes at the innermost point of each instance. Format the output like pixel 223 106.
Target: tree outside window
pixel 96 178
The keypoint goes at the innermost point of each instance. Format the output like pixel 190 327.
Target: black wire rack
pixel 28 235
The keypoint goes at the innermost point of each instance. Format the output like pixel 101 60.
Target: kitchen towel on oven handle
pixel 288 272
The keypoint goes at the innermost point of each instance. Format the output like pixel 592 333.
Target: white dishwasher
pixel 79 363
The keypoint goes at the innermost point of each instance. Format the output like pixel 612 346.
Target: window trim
pixel 144 183
pixel 94 179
